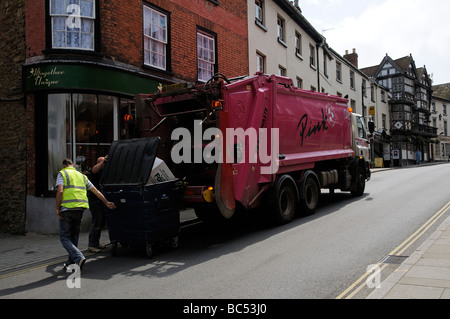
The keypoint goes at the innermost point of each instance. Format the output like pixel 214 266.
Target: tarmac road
pixel 317 257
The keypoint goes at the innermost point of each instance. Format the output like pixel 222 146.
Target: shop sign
pixel 42 76
pixel 45 78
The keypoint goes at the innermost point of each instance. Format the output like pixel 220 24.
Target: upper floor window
pixel 280 29
pixel 352 80
pixel 298 44
pixel 155 38
pixel 259 11
pixel 206 55
pixel 281 70
pixel 299 83
pixel 312 56
pixel 72 24
pixel 339 71
pixel 260 62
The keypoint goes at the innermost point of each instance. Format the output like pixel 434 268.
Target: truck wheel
pixel 311 195
pixel 360 185
pixel 282 202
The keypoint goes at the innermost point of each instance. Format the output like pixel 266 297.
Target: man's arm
pixel 59 196
pixel 100 165
pixel 100 196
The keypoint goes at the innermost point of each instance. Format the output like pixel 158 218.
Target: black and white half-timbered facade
pixel 410 93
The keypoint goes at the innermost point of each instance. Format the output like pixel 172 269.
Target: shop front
pixel 75 110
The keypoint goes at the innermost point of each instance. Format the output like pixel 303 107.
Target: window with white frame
pixel 206 55
pixel 352 80
pixel 155 38
pixel 312 56
pixel 298 44
pixel 299 83
pixel 338 71
pixel 260 62
pixel 281 70
pixel 73 24
pixel 259 11
pixel 280 28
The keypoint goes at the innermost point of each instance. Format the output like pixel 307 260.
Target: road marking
pixel 414 237
pixel 22 271
pixel 44 264
pixel 396 252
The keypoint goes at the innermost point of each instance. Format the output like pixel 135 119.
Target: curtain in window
pixel 72 24
pixel 155 38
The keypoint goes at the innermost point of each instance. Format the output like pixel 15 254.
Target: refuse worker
pixel 71 202
pixel 96 208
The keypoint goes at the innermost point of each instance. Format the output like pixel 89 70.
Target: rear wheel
pixel 311 195
pixel 282 202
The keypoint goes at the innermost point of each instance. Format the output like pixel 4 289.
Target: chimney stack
pixel 352 57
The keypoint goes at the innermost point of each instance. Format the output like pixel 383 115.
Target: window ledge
pixel 282 42
pixel 261 25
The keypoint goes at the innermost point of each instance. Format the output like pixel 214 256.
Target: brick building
pixel 74 67
pixel 12 121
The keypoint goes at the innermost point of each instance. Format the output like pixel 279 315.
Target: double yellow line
pixel 360 283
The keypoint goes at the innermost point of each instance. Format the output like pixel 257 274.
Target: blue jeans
pixel 69 231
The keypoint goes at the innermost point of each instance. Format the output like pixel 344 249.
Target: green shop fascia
pixel 92 77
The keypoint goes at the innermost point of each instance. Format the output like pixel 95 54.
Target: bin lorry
pixel 257 142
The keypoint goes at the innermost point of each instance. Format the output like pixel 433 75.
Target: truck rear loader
pixel 257 142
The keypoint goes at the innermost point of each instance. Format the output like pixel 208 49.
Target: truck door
pixel 362 146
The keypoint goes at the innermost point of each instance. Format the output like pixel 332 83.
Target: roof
pixel 401 64
pixel 442 91
pixel 370 71
pixel 404 63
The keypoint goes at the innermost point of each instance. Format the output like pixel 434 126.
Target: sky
pixel 379 27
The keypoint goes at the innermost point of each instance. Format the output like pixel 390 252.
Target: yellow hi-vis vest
pixel 75 191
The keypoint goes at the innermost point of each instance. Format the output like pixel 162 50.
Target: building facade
pixel 12 122
pixel 78 67
pixel 283 42
pixel 410 102
pixel 439 119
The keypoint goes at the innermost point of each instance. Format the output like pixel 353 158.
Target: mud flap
pixel 225 191
pixel 224 177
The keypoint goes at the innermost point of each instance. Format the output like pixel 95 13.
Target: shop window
pixel 80 127
pixel 72 24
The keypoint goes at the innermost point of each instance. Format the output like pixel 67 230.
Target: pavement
pixel 425 274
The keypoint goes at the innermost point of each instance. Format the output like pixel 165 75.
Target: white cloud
pixel 396 27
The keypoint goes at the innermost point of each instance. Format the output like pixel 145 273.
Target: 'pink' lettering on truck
pixel 311 129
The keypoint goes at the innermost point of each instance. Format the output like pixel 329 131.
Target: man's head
pixel 67 162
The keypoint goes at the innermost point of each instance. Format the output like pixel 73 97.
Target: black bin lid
pixel 130 162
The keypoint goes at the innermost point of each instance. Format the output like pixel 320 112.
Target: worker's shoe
pixel 81 263
pixel 94 249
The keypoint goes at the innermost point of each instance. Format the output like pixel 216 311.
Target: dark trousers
pixel 98 222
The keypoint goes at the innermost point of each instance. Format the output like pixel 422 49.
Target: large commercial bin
pixel 146 214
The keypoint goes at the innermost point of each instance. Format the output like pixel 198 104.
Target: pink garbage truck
pixel 258 143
